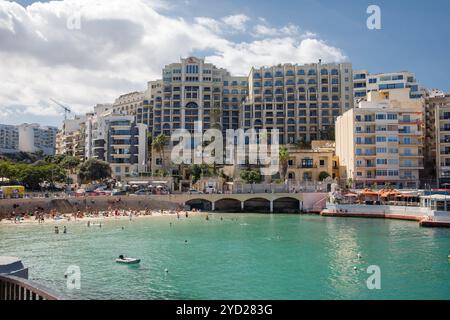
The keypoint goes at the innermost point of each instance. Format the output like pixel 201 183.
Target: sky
pixel 84 52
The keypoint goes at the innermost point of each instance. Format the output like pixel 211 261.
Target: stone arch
pixel 200 204
pixel 228 205
pixel 257 205
pixel 286 205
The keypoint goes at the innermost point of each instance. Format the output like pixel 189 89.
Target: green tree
pixel 323 175
pixel 94 170
pixel 216 113
pixel 70 163
pixel 327 133
pixel 196 173
pixel 301 143
pixel 251 176
pixel 158 145
pixel 283 157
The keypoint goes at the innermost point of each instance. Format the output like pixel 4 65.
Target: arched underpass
pixel 257 205
pixel 200 204
pixel 286 205
pixel 228 205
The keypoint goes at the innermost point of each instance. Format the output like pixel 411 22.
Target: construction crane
pixel 65 108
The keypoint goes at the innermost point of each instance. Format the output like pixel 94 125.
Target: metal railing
pixel 15 288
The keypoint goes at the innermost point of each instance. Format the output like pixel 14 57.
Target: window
pixel 322 163
pixel 192 68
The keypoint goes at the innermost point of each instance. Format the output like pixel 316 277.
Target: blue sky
pixel 415 35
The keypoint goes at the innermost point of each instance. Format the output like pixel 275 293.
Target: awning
pixel 138 182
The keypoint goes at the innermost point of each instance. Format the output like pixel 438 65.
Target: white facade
pixel 364 82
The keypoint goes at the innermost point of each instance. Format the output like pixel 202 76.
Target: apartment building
pixel 437 138
pixel 301 101
pixel 70 140
pixel 9 139
pixel 364 82
pixel 381 141
pixel 28 138
pixel 119 140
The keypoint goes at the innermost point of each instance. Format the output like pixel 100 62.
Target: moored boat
pixel 127 260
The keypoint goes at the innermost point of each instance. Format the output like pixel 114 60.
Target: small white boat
pixel 127 260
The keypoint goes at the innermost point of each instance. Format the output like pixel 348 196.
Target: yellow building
pixel 307 165
pixel 381 141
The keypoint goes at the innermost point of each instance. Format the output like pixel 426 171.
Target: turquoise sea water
pixel 253 257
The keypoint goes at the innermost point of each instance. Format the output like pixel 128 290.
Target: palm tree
pixel 158 145
pixel 215 117
pixel 284 157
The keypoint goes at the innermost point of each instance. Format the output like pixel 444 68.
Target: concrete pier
pixel 13 266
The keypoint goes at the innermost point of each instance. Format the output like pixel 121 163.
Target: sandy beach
pixel 102 217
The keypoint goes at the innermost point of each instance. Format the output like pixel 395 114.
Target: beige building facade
pixel 381 141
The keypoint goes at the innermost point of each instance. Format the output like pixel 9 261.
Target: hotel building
pixel 381 141
pixel 128 103
pixel 190 91
pixel 301 101
pixel 437 139
pixel 363 83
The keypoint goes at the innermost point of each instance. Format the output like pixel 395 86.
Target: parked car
pixel 141 193
pixel 117 192
pixel 193 191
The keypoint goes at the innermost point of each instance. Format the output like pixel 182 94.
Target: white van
pixel 210 190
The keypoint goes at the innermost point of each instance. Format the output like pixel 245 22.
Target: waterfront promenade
pixel 257 202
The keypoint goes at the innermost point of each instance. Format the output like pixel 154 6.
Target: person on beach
pixel 64 229
pixel 56 229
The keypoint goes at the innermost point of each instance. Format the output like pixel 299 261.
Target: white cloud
pixel 237 21
pixel 209 23
pixel 264 30
pixel 120 46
